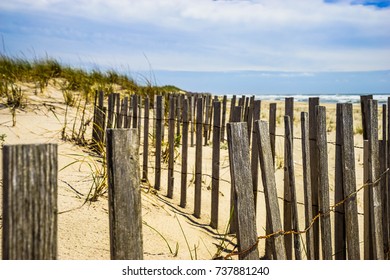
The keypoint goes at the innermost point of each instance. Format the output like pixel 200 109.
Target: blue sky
pixel 263 46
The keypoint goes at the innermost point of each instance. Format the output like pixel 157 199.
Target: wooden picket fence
pixel 118 125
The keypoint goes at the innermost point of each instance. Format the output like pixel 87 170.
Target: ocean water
pixel 325 98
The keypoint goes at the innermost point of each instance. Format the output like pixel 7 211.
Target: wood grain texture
pixel 184 153
pixel 159 120
pixel 349 182
pixel 293 195
pixel 198 159
pixel 323 184
pixel 146 141
pixel 30 202
pixel 340 245
pixel 215 164
pixel 287 206
pixel 124 195
pixel 171 145
pixel 270 191
pixel 313 102
pixel 306 166
pixel 242 184
pixel 373 175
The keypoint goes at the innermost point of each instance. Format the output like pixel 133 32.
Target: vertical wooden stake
pixel 287 206
pixel 291 175
pixel 30 202
pixel 124 195
pixel 223 126
pixel 373 175
pixel 146 141
pixel 270 191
pixel 171 142
pixel 184 152
pixel 307 184
pixel 313 102
pixel 159 120
pixel 255 153
pixel 198 159
pixel 241 181
pixel 215 164
pixel 339 216
pixel 323 184
pixel 349 182
pixel 272 127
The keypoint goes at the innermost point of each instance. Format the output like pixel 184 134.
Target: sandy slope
pixel 83 228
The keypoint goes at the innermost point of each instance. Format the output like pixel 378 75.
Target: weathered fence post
pixel 339 216
pixel 118 120
pixel 146 140
pixel 124 195
pixel 287 210
pixel 99 122
pixel 30 202
pixel 291 176
pixel 272 127
pixel 383 152
pixel 184 152
pixel 134 102
pixel 198 159
pixel 388 177
pixel 323 184
pixel 313 102
pixel 171 142
pixel 223 126
pixel 215 164
pixel 242 183
pixel 193 110
pixel 206 119
pixel 270 191
pixel 307 184
pixel 349 181
pixel 374 180
pixel 159 120
pixel 232 105
pixel 125 112
pixel 255 152
pixel 110 110
pixel 236 117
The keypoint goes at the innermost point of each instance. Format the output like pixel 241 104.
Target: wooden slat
pixel 349 182
pixel 313 102
pixel 159 120
pixel 287 206
pixel 171 145
pixel 270 191
pixel 124 195
pixel 323 184
pixel 30 202
pixel 373 175
pixel 383 184
pixel 184 153
pixel 307 185
pixel 255 153
pixel 272 127
pixel 339 217
pixel 198 159
pixel 223 126
pixel 291 175
pixel 215 165
pixel 242 184
pixel 146 141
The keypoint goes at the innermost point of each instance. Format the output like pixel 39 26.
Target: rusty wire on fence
pixel 315 218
